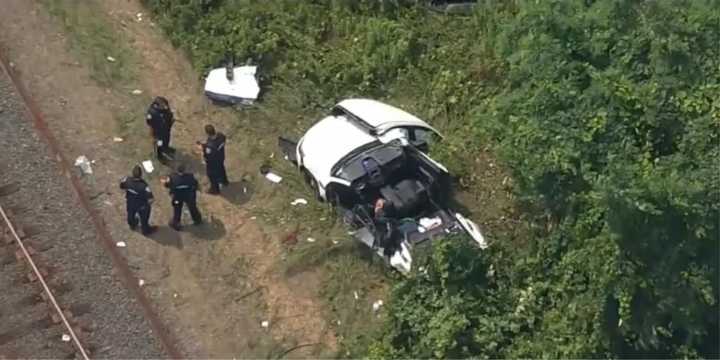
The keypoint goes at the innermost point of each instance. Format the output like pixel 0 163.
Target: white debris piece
pixel 242 86
pixel 139 16
pixel 253 217
pixel 265 324
pixel 310 240
pixel 430 223
pixel 65 337
pixel 110 59
pixel 355 294
pixel 136 92
pixel 175 295
pixel 121 244
pixel 376 305
pixel 298 202
pixel 118 139
pixel 335 242
pixel 148 166
pixel 141 282
pixel 84 164
pixel 273 177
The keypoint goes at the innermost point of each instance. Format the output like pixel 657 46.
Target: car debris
pixel 298 202
pixel 110 59
pixel 369 160
pixel 265 324
pixel 65 338
pixel 311 240
pixel 121 244
pixel 355 295
pixel 141 282
pixel 377 305
pixel 118 139
pixel 84 164
pixel 148 166
pixel 232 84
pixel 136 92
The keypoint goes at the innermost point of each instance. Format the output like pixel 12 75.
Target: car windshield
pixel 357 163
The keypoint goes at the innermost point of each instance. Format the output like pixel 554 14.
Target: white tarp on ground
pixel 243 88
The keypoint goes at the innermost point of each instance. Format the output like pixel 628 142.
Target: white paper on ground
pixel 299 201
pixel 273 177
pixel 148 166
pixel 121 244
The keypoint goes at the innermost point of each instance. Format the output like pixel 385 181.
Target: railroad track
pixel 37 321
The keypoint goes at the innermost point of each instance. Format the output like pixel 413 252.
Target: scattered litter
pixel 118 139
pixel 84 164
pixel 265 324
pixel 299 201
pixel 339 322
pixel 65 337
pixel 141 282
pixel 139 16
pixel 376 305
pixel 136 92
pixel 233 85
pixel 244 190
pixel 323 219
pixel 175 295
pixel 253 217
pixel 355 294
pixel 335 242
pixel 148 166
pixel 107 202
pixel 273 177
pixel 311 240
pixel 110 59
pixel 121 244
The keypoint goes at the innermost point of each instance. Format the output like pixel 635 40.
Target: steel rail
pixel 47 290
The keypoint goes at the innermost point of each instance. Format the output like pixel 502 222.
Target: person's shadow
pixel 167 236
pixel 212 229
pixel 238 192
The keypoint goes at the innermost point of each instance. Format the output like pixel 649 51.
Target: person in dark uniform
pixel 214 153
pixel 385 235
pixel 183 190
pixel 160 119
pixel 139 198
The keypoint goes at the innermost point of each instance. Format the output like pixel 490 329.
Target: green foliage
pixel 608 115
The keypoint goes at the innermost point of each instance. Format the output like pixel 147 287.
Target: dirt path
pixel 213 285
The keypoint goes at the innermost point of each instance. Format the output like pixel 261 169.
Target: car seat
pixel 374 172
pixel 407 196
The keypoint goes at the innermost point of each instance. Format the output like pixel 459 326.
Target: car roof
pixel 328 141
pixel 381 117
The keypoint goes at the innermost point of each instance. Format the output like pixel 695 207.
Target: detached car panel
pixel 365 151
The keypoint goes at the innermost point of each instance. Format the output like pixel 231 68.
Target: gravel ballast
pixel 69 245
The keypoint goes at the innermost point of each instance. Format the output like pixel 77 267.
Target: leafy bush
pixel 608 115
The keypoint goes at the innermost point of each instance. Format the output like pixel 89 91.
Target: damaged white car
pixel 369 160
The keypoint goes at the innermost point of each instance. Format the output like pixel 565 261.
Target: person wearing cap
pixel 160 119
pixel 183 190
pixel 139 200
pixel 214 154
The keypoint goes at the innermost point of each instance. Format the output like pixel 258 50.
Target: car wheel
pixel 310 180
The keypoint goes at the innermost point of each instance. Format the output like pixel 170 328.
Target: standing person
pixel 214 153
pixel 139 198
pixel 160 119
pixel 385 233
pixel 183 190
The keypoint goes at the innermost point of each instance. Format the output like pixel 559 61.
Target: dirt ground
pixel 214 285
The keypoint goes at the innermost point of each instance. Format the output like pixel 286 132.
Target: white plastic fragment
pixel 118 139
pixel 355 294
pixel 376 305
pixel 65 337
pixel 139 16
pixel 310 240
pixel 84 164
pixel 273 177
pixel 136 92
pixel 265 324
pixel 253 217
pixel 141 282
pixel 299 201
pixel 148 166
pixel 121 244
pixel 110 59
pixel 175 295
pixel 335 242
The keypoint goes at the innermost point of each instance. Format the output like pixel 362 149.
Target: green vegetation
pixel 607 113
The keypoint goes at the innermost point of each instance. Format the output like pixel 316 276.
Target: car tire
pixel 310 180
